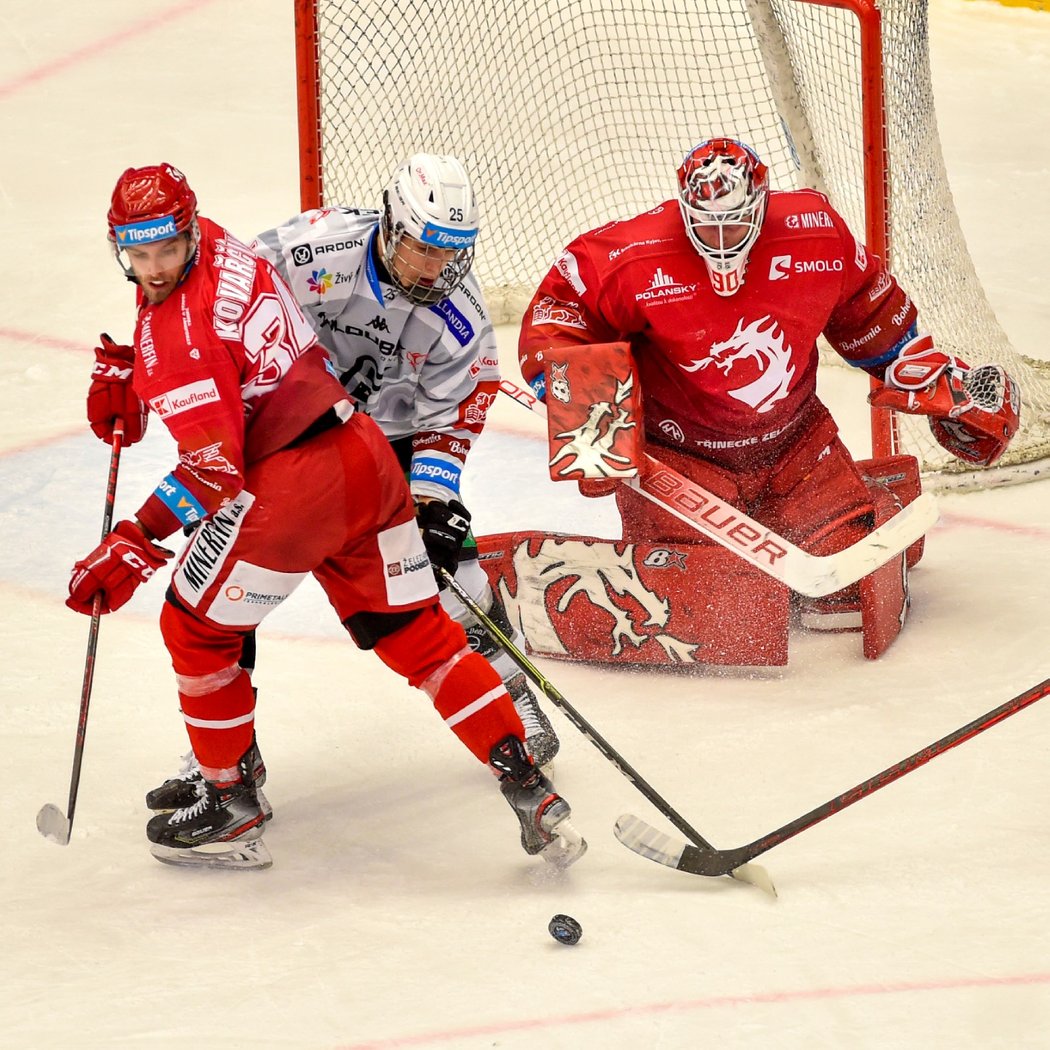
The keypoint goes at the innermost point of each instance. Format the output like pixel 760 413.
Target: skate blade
pixel 238 855
pixel 567 846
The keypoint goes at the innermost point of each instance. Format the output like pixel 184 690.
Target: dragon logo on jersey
pixel 748 350
pixel 320 282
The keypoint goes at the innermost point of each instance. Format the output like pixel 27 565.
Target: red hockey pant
pixel 336 507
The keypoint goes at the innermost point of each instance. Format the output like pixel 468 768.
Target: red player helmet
pixel 151 204
pixel 722 190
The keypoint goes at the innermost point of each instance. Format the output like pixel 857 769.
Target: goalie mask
pixel 428 227
pixel 151 204
pixel 722 191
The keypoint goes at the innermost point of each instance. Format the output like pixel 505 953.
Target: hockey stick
pixel 809 574
pixel 645 840
pixel 51 822
pixel 751 873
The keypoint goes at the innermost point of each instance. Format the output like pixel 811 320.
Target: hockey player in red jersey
pixel 286 480
pixel 721 295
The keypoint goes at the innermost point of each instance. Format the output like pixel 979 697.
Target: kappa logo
pixel 379 324
pixel 302 255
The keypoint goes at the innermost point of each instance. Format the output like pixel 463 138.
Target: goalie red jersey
pixel 731 378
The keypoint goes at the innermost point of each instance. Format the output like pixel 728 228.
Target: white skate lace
pixel 189 769
pixel 529 719
pixel 198 807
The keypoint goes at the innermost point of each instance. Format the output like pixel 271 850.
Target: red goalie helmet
pixel 722 192
pixel 150 204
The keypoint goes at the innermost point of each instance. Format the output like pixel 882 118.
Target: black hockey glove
pixel 444 526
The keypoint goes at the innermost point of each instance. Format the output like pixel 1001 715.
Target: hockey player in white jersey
pixel 393 300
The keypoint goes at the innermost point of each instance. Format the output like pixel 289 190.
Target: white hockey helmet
pixel 722 191
pixel 430 200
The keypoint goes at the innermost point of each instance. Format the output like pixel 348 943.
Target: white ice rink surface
pixel 400 910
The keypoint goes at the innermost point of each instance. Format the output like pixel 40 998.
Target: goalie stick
pixel 51 822
pixel 646 841
pixel 810 574
pixel 750 873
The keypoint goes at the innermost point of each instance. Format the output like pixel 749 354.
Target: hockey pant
pixel 336 507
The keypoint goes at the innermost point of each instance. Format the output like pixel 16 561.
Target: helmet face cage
pixel 431 202
pixel 150 204
pixel 723 184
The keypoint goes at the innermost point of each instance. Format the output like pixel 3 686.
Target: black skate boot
pixel 221 829
pixel 541 741
pixel 543 814
pixel 180 790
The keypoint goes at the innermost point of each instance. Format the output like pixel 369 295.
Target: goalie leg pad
pixel 900 474
pixel 581 598
pixel 884 596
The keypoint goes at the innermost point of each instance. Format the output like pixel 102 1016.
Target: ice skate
pixel 221 829
pixel 541 741
pixel 180 791
pixel 543 814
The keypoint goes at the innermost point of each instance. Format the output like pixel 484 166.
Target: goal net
pixel 569 113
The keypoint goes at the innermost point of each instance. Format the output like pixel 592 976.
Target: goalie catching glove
pixel 445 527
pixel 123 560
pixel 111 398
pixel 973 412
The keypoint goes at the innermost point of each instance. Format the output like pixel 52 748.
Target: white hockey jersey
pixel 425 372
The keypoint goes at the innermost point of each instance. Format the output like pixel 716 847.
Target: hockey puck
pixel 565 929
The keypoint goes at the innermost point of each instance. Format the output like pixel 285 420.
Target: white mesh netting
pixel 569 113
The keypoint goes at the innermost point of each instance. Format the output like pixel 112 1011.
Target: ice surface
pixel 400 911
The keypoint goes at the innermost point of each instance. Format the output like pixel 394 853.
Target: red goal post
pixel 573 112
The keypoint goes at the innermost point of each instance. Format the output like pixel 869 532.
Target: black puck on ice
pixel 565 929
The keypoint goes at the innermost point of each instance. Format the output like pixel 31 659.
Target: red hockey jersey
pixel 232 367
pixel 728 378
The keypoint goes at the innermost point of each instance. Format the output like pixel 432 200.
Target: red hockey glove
pixel 593 488
pixel 973 412
pixel 111 399
pixel 123 560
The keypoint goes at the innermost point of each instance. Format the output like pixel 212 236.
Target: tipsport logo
pixel 146 232
pixel 320 282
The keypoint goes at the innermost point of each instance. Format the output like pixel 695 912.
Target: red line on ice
pixel 713 1003
pixel 98 47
